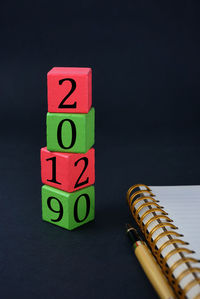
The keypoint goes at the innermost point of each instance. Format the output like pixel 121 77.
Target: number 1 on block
pixel 66 171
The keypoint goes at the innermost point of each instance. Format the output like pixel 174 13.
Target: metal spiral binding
pixel 135 196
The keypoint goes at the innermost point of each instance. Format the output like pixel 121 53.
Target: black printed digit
pixel 53 180
pixel 78 183
pixel 60 211
pixel 73 87
pixel 87 199
pixel 59 133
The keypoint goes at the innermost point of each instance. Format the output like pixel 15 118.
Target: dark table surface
pixel 145 60
pixel 40 260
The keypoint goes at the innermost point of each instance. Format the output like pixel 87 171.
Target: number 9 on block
pixel 68 210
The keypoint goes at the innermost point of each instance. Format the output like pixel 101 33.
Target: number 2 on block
pixel 73 87
pixel 78 183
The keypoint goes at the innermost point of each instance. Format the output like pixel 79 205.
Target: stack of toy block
pixel 68 161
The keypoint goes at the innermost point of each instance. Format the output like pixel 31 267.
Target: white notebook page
pixel 182 203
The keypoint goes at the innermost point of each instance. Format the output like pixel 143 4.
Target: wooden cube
pixel 67 171
pixel 68 210
pixel 67 132
pixel 69 89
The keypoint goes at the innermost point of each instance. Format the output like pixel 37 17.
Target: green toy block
pixel 68 210
pixel 70 132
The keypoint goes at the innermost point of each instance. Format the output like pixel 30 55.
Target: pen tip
pixel 128 226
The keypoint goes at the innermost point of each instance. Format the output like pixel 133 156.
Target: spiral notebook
pixel 169 218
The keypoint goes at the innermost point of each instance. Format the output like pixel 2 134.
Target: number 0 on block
pixel 68 210
pixel 68 132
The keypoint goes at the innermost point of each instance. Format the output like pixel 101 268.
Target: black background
pixel 145 57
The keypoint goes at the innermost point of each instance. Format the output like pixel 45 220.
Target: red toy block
pixel 68 171
pixel 69 89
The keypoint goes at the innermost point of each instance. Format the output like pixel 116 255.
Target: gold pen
pixel 149 265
